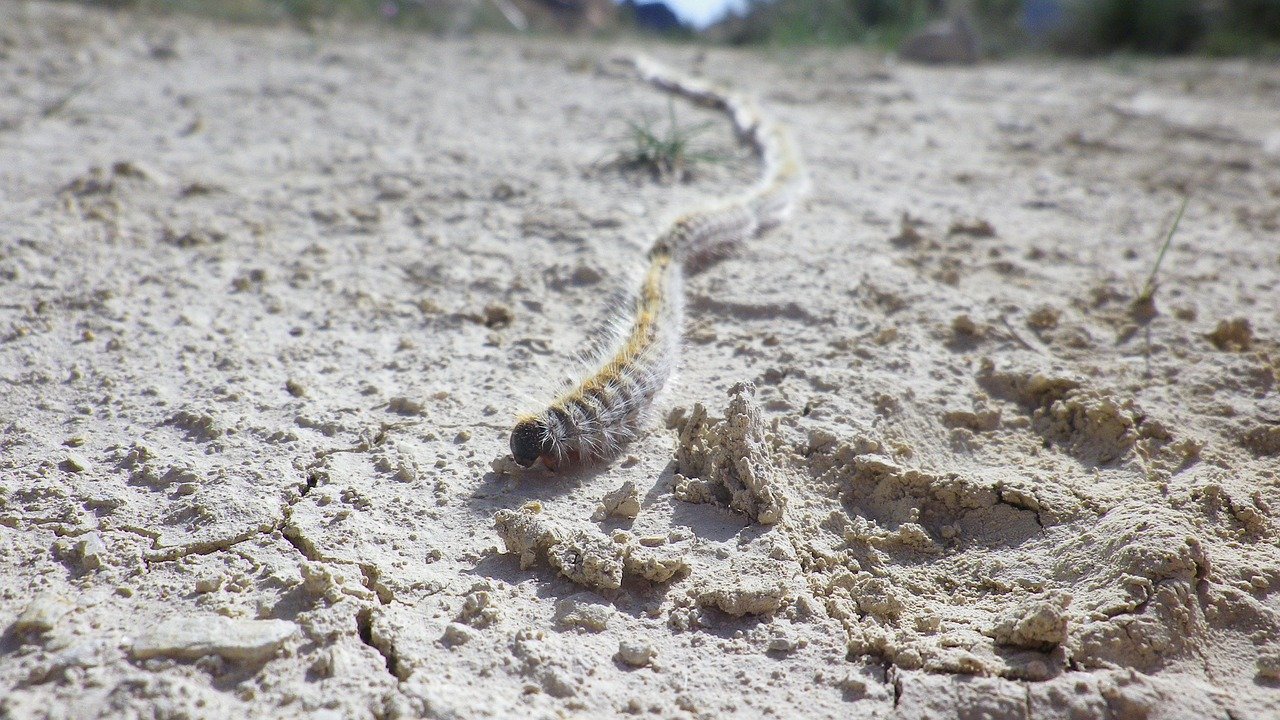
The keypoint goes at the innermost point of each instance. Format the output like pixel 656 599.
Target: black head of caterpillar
pixel 530 441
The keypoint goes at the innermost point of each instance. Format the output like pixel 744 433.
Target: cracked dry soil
pixel 268 302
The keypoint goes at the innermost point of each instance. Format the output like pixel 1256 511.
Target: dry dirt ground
pixel 269 302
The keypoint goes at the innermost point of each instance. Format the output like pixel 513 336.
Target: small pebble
pixel 457 634
pixel 405 406
pixel 42 613
pixel 635 653
pixel 75 463
pixel 90 550
pixel 209 584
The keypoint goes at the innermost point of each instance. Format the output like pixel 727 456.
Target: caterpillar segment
pixel 783 179
pixel 607 408
pixel 698 239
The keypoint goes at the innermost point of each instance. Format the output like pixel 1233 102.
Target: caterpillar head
pixel 530 441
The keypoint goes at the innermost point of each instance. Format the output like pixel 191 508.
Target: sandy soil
pixel 269 303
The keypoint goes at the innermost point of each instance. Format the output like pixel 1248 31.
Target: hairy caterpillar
pixel 606 409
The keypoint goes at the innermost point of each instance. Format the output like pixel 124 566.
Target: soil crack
pixel 383 645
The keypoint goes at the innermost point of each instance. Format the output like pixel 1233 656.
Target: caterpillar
pixel 601 413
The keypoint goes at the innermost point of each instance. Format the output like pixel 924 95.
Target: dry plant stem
pixel 1149 289
pixel 1144 309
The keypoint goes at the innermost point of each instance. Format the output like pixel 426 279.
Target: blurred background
pixel 926 30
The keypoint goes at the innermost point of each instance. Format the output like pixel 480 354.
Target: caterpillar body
pixel 605 410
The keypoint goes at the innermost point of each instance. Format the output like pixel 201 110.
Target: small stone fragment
pixel 587 559
pixel 732 453
pixel 693 490
pixel 199 426
pixel 1268 664
pixel 189 638
pixel 559 682
pixel 457 634
pixel 623 502
pixel 655 564
pixel 753 584
pixel 478 609
pixel 583 611
pixel 1044 318
pixel 963 327
pixel 525 532
pixel 1235 335
pixel 1263 440
pixel 75 463
pixel 497 316
pixel 979 228
pixel 209 583
pixel 783 641
pixel 584 555
pixel 90 549
pixel 749 598
pixel 636 653
pixel 405 406
pixel 1039 625
pixel 505 465
pixel 43 613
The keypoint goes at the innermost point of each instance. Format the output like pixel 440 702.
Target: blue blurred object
pixel 1041 18
pixel 653 16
